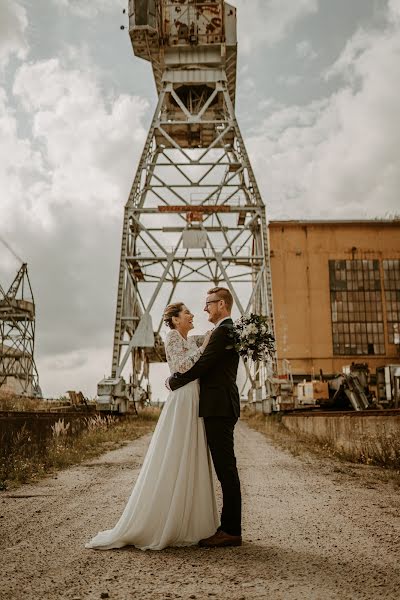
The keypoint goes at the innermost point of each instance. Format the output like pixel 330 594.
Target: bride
pixel 173 501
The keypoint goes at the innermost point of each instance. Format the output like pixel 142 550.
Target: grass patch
pixel 12 402
pixel 381 450
pixel 22 461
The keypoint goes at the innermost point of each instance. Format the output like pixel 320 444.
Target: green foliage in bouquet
pixel 252 338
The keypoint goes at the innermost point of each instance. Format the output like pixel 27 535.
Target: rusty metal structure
pixel 18 372
pixel 195 215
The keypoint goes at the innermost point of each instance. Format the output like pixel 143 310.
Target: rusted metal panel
pixel 189 22
pixel 230 25
pixel 183 208
pixel 143 28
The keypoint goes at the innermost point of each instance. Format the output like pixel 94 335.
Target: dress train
pixel 173 501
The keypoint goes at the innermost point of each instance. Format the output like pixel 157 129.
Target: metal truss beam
pixel 17 336
pixel 194 215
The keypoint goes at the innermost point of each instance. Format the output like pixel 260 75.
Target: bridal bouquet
pixel 252 339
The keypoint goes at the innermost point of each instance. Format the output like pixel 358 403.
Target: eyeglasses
pixel 211 301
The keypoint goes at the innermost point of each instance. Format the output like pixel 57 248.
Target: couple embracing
pixel 173 501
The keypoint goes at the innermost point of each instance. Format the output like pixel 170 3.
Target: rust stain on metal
pixel 193 208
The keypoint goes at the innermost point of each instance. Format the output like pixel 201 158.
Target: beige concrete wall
pixel 300 280
pixel 351 432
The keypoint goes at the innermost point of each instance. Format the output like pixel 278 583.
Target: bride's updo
pixel 172 310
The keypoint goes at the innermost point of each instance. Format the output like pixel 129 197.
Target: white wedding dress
pixel 173 500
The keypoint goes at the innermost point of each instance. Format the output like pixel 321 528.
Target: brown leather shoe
pixel 221 539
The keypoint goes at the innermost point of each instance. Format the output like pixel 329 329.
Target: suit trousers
pixel 219 432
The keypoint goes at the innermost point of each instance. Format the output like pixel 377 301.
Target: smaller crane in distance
pixel 18 372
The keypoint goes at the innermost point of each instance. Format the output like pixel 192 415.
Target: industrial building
pixel 336 294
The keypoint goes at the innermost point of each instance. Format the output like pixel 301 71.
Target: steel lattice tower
pixel 194 213
pixel 17 337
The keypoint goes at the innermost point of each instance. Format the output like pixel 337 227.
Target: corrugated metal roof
pixel 187 55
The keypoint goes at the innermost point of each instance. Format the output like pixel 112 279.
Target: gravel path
pixel 312 530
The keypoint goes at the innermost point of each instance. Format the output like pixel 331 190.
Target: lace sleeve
pixel 180 356
pixel 199 339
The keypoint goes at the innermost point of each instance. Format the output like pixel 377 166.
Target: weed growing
pixel 24 459
pixel 382 449
pixel 12 402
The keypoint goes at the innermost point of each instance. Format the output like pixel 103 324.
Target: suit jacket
pixel 217 371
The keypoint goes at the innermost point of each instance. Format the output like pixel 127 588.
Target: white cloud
pixel 73 370
pixel 339 157
pixel 85 137
pixel 268 21
pixel 88 8
pixel 394 10
pixel 13 25
pixel 290 80
pixel 20 165
pixel 305 50
pixel 248 85
pixel 63 192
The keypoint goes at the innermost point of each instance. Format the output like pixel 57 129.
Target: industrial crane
pixel 195 215
pixel 18 371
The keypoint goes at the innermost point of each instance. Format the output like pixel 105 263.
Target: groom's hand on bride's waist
pixel 167 384
pixel 174 381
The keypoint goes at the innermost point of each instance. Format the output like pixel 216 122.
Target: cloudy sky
pixel 318 98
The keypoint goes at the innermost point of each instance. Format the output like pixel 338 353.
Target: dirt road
pixel 313 529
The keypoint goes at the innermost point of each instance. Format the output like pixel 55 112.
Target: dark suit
pixel 220 407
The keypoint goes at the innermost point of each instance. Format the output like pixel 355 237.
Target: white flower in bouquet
pixel 252 338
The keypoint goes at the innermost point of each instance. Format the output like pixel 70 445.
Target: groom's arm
pixel 213 352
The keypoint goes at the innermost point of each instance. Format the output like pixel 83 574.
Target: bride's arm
pixel 179 358
pixel 215 350
pixel 199 339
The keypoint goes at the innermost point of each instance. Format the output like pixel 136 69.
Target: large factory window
pixel 356 306
pixel 391 278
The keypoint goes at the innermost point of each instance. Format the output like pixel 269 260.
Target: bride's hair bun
pixel 172 310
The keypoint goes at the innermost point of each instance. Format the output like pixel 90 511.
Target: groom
pixel 220 407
